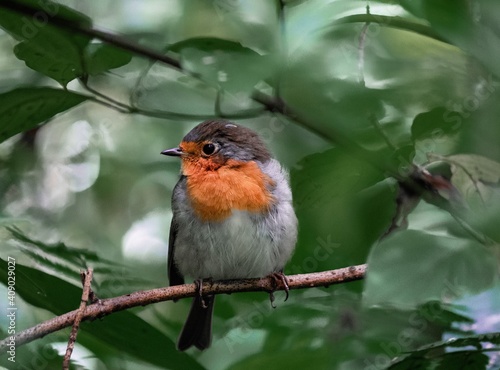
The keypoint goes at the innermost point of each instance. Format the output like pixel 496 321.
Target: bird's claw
pixel 277 279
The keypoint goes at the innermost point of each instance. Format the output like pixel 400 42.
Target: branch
pixel 142 298
pixel 86 280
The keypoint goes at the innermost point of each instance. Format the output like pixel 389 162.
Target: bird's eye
pixel 209 149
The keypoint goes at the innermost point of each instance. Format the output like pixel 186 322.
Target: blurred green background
pixel 373 91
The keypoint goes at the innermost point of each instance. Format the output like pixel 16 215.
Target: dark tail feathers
pixel 197 330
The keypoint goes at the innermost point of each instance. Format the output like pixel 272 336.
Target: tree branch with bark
pixel 104 307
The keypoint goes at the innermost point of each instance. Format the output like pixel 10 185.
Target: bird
pixel 233 216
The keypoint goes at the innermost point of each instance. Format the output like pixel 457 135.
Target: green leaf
pixel 24 28
pixel 51 54
pixel 103 57
pixel 463 360
pixel 47 49
pixel 478 341
pixel 124 331
pixel 412 362
pixel 24 108
pixel 400 266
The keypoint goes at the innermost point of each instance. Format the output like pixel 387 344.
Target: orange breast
pixel 215 190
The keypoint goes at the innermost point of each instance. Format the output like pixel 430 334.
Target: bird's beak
pixel 174 152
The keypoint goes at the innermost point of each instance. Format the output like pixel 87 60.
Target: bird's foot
pixel 199 291
pixel 278 278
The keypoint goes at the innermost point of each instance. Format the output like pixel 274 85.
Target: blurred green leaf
pixel 220 63
pixel 32 356
pixel 434 124
pixel 61 250
pixel 58 296
pixel 332 174
pixel 254 24
pixel 103 57
pixel 485 219
pixel 162 89
pixel 474 176
pixel 435 132
pixel 285 360
pixel 349 89
pixel 336 196
pixel 24 108
pixel 480 134
pixel 473 28
pixel 62 259
pixel 479 168
pixel 442 314
pixel 459 267
pixel 433 356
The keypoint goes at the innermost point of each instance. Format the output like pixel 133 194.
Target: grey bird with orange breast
pixel 232 216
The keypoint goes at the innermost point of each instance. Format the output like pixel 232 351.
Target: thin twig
pixel 283 49
pixel 378 127
pixel 112 101
pixel 361 53
pixel 142 298
pixel 86 280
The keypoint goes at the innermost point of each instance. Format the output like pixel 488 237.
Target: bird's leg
pixel 199 291
pixel 277 278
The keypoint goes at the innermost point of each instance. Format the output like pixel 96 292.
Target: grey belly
pixel 238 247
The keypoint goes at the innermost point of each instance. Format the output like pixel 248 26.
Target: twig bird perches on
pixel 142 298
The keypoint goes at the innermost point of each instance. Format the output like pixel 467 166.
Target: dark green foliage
pixel 24 108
